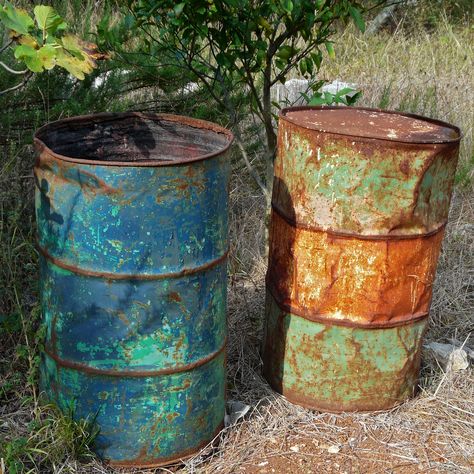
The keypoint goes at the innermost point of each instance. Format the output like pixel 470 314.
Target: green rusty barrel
pixel 132 234
pixel 360 202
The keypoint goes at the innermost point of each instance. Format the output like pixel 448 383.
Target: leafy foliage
pixel 344 96
pixel 54 437
pixel 42 44
pixel 227 44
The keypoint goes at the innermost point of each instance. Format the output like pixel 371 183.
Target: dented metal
pixel 360 202
pixel 132 234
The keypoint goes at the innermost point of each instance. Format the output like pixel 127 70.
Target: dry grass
pixel 428 74
pixel 431 75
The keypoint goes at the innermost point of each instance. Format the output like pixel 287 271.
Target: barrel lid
pixel 372 123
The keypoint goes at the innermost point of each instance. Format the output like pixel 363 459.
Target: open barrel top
pixel 133 139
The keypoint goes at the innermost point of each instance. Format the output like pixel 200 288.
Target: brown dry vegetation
pixel 424 73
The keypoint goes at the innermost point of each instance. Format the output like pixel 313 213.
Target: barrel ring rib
pixel 352 235
pixel 80 367
pixel 320 318
pixel 127 276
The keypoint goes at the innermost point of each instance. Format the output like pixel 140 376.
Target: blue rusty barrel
pixel 360 202
pixel 132 233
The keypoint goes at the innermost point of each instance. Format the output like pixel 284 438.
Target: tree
pixel 255 43
pixel 42 42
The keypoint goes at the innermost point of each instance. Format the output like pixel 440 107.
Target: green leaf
pixel 179 8
pixel 357 17
pixel 74 45
pixel 287 5
pixel 276 104
pixel 24 51
pixel 345 91
pixel 351 100
pixel 28 40
pixel 317 59
pixel 47 19
pixel 330 49
pixel 79 60
pixel 303 67
pixel 33 63
pixel 315 86
pixel 47 56
pixel 284 52
pixel 16 19
pixel 317 100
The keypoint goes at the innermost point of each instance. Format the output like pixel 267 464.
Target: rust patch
pixel 322 276
pixel 405 167
pixel 174 296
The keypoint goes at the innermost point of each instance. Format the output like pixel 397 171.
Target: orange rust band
pixel 352 235
pixel 188 453
pixel 134 373
pixel 316 317
pixel 125 276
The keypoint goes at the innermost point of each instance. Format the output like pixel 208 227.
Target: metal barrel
pixel 360 202
pixel 132 234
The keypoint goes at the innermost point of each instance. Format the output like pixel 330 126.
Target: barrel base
pixel 144 421
pixel 178 459
pixel 339 368
pixel 297 399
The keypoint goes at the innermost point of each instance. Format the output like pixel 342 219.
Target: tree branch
pixel 248 164
pixel 14 88
pixel 13 71
pixel 5 46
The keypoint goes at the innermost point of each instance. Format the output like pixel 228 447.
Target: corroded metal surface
pixel 133 279
pixel 320 275
pixel 360 202
pixel 367 186
pixel 330 367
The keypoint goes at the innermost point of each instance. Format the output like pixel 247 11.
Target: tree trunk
pixel 271 149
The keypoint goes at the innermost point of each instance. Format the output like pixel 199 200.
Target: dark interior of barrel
pixel 132 138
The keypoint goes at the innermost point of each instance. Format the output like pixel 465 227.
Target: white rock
pixel 235 410
pixel 450 356
pixel 457 361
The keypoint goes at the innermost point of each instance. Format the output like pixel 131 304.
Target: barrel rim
pixel 282 115
pixel 99 117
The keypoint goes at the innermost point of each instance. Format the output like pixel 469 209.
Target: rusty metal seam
pixel 352 235
pixel 297 399
pixel 282 116
pixel 188 453
pixel 126 276
pixel 317 317
pixel 135 373
pixel 97 118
